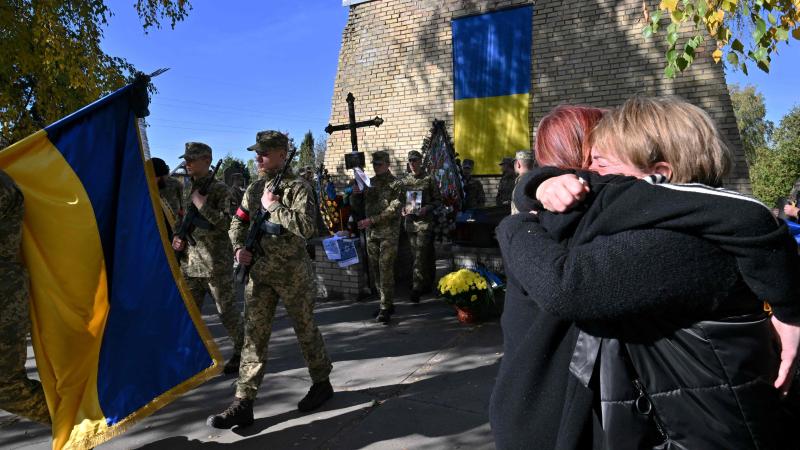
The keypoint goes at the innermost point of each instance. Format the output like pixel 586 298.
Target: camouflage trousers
pixel 18 394
pixel 261 299
pixel 382 252
pixel 221 289
pixel 424 268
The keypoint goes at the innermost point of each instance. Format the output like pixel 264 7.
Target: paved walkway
pixel 423 383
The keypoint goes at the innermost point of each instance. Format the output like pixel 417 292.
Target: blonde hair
pixel 644 131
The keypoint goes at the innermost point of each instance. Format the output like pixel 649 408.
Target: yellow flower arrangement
pixel 465 288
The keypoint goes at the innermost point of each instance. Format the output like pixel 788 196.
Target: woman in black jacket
pixel 671 281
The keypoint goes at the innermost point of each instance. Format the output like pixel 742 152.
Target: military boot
pixel 240 413
pixel 384 315
pixel 318 394
pixel 232 366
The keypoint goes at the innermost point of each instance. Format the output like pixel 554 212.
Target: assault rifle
pixel 193 219
pixel 260 224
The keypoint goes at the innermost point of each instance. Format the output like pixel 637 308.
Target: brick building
pixel 397 59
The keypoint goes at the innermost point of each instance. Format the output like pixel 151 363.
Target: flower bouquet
pixel 469 293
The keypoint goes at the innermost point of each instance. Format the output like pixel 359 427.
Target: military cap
pixel 524 155
pixel 270 139
pixel 380 157
pixel 160 167
pixel 414 155
pixel 468 163
pixel 506 160
pixel 195 150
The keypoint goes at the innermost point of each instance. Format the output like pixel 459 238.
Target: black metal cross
pixel 353 125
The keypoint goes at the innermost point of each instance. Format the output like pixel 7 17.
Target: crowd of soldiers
pixel 221 217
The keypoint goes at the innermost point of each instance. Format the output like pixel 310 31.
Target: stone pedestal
pixel 338 283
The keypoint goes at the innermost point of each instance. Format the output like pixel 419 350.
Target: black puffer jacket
pixel 685 368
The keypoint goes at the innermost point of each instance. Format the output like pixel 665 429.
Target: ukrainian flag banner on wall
pixel 115 334
pixel 492 83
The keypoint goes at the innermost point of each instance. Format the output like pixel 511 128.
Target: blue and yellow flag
pixel 492 84
pixel 115 334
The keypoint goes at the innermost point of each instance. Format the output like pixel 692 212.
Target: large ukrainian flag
pixel 114 335
pixel 492 83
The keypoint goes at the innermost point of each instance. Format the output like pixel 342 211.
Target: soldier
pixel 419 224
pixel 474 196
pixel 523 163
pixel 18 394
pixel 207 266
pixel 380 205
pixel 169 189
pixel 170 192
pixel 506 186
pixel 237 191
pixel 284 271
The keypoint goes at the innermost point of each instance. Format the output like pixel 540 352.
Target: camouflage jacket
pixel 431 199
pixel 474 197
pixel 237 194
pixel 172 193
pixel 283 254
pixel 12 211
pixel 505 189
pixel 381 203
pixel 213 254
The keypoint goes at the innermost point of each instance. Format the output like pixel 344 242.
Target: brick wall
pixel 396 58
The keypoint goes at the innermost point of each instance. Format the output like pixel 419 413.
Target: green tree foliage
pixel 51 63
pixel 307 150
pixel 774 172
pixel 320 145
pixel 745 31
pixel 236 165
pixel 788 131
pixel 750 111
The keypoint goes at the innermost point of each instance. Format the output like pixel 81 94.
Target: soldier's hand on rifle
pixel 244 257
pixel 364 223
pixel 198 200
pixel 178 244
pixel 268 198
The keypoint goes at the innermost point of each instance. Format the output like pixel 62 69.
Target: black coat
pixel 536 404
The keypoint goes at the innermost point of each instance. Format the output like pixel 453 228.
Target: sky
pixel 237 67
pixel 781 86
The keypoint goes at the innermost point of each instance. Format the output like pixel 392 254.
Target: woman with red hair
pixel 684 325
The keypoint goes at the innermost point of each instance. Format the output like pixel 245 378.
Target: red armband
pixel 243 215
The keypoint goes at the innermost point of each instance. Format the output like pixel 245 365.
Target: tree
pixel 774 172
pixel 320 145
pixel 51 63
pixel 775 169
pixel 732 24
pixel 307 150
pixel 750 111
pixel 236 165
pixel 788 131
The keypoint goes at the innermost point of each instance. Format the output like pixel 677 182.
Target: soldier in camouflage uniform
pixel 237 191
pixel 506 187
pixel 208 265
pixel 18 394
pixel 283 272
pixel 523 163
pixel 170 189
pixel 170 192
pixel 474 197
pixel 381 204
pixel 419 225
